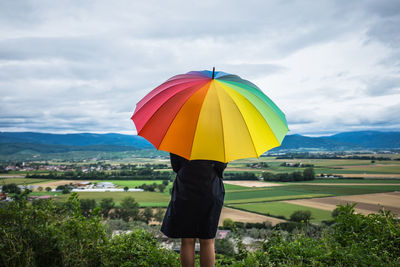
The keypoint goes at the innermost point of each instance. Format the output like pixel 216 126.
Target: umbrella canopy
pixel 210 115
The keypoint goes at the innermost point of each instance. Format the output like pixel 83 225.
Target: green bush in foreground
pixel 354 240
pixel 43 234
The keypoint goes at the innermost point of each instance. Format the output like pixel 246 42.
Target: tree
pixel 87 206
pixel 228 223
pixel 147 214
pixel 161 188
pixel 297 176
pixel 301 216
pixel 11 188
pixel 159 215
pixel 65 189
pixel 48 189
pixel 129 209
pixel 106 205
pixel 309 174
pixel 126 189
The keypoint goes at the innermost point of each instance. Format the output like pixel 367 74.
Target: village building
pixel 105 185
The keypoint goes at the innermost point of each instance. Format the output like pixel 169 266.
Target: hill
pixel 369 139
pixel 323 143
pixel 344 141
pixel 81 139
pixel 17 142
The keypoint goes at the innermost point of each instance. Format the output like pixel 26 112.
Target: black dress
pixel 196 199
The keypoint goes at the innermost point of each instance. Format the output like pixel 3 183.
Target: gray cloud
pixel 82 66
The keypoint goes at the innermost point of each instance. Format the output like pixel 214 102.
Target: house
pixel 105 185
pixel 83 184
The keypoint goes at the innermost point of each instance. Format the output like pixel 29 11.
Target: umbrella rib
pixel 222 126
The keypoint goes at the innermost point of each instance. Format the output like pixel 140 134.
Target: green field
pixel 340 190
pixel 264 200
pixel 283 209
pixel 153 199
pixel 23 181
pixel 354 181
pixel 232 187
pixel 275 198
pixel 292 191
pixel 328 166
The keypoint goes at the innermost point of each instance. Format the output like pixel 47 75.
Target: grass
pixel 231 187
pixel 283 209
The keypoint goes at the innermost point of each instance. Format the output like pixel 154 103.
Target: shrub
pixel 137 249
pixel 224 246
pixel 228 223
pixel 45 234
pixel 11 188
pixel 354 240
pixel 303 216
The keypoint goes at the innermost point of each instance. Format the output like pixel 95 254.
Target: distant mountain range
pixel 344 141
pixel 14 142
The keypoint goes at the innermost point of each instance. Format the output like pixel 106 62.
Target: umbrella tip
pixel 213 73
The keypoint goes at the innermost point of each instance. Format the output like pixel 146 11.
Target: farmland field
pixel 250 183
pixel 23 181
pixel 245 216
pixel 320 196
pixel 231 187
pixel 153 199
pixel 354 181
pixel 303 191
pixel 365 203
pixel 284 209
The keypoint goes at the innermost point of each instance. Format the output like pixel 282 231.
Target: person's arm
pixel 176 162
pixel 220 167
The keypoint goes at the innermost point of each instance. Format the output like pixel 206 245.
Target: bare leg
pixel 187 252
pixel 207 252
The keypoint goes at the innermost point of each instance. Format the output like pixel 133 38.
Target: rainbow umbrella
pixel 210 115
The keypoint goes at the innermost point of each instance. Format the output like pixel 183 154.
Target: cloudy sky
pixel 81 66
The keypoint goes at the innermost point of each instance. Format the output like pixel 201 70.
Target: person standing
pixel 196 202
